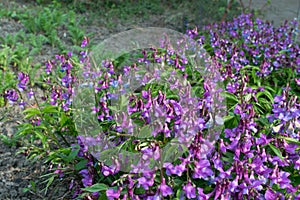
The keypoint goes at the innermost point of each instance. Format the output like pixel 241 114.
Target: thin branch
pixel 242 5
pixel 227 10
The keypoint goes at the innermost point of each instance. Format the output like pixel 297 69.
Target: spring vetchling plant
pixel 256 155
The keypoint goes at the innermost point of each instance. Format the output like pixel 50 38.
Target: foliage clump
pixel 255 153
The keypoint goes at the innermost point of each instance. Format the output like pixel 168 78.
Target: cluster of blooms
pixel 183 118
pixel 286 111
pixel 247 160
pixel 11 95
pixel 245 41
pixel 88 173
pixel 61 93
pixel 14 96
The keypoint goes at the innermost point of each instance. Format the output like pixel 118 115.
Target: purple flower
pixel 279 99
pixel 276 64
pixel 285 116
pixel 233 187
pixel 262 140
pixel 177 107
pixel 238 109
pixel 201 123
pixel 87 177
pixel 66 80
pixel 177 169
pixel 61 58
pixel 36 122
pixel 155 197
pixel 112 194
pixel 271 195
pixel 22 104
pixel 84 42
pixel 232 87
pixel 166 130
pixel 145 94
pixel 69 54
pixel 67 66
pixel 201 195
pixel 30 94
pixel 59 171
pixel 145 183
pixel 190 190
pixel 282 179
pixel 83 146
pixel 115 168
pixel 23 80
pixel 151 152
pixel 49 67
pixel 222 146
pixel 202 169
pixel 297 81
pixel 297 164
pixel 12 96
pixel 164 189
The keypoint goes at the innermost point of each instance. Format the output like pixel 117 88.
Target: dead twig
pixel 227 10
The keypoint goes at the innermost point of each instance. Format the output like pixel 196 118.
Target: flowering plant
pixel 175 139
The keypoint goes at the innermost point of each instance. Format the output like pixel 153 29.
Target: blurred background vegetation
pixel 182 14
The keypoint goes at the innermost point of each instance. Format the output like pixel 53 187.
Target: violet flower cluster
pixel 247 160
pixel 246 41
pixel 244 159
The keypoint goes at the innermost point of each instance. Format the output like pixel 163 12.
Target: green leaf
pixel 72 155
pixel 251 67
pixel 49 182
pixel 30 112
pixel 228 118
pixel 41 136
pixel 138 122
pixel 227 157
pixel 231 121
pixel 296 179
pixel 264 121
pixel 124 101
pixel 276 151
pixel 113 108
pixel 231 96
pixel 32 184
pixel 145 132
pixel 2 102
pixel 172 96
pixel 81 165
pixel 259 108
pixel 265 93
pixel 24 190
pixel 50 109
pixel 291 140
pixel 96 188
pixel 63 120
pixel 178 194
pixel 267 104
pixel 139 190
pixel 270 89
pixel 172 151
pixel 107 155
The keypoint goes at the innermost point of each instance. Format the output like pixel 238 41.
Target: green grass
pixel 60 25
